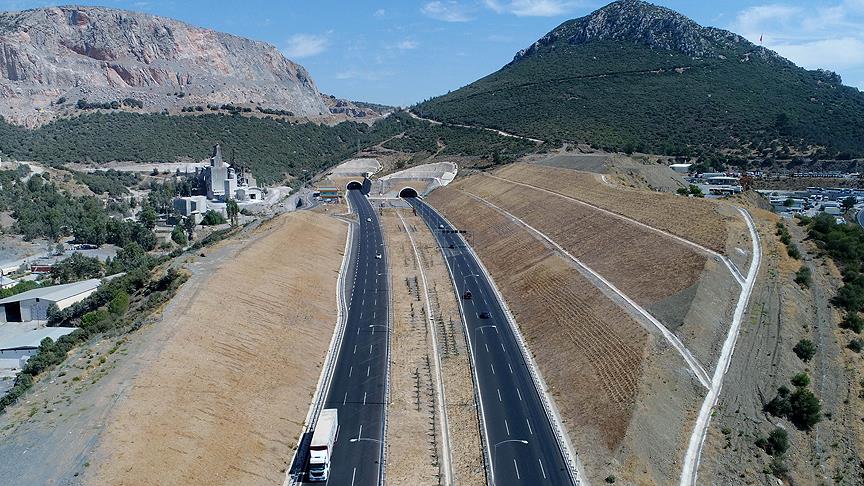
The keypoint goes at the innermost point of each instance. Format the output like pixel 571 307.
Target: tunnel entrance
pixel 354 186
pixel 408 192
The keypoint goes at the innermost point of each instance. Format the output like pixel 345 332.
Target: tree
pixel 119 304
pixel 77 267
pixel 805 350
pixel 849 203
pixel 805 409
pixel 179 236
pixel 148 217
pixel 776 444
pixel 800 380
pixel 189 225
pixel 233 210
pixel 212 218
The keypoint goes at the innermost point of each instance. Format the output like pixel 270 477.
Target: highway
pixel 520 444
pixel 358 385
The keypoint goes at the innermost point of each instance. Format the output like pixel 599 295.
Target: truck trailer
pixel 321 448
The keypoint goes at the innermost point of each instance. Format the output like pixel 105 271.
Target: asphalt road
pixel 359 380
pixel 521 445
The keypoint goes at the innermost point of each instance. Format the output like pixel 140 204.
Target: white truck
pixel 323 440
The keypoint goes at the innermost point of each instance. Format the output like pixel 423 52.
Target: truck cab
pixel 321 448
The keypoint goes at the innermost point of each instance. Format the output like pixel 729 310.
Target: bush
pixel 805 350
pixel 776 444
pixel 802 276
pixel 856 345
pixel 76 267
pixel 805 409
pixel 178 235
pixel 852 322
pixel 792 250
pixel 800 380
pixel 212 218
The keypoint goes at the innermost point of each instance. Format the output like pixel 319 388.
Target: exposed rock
pixel 657 27
pixel 103 55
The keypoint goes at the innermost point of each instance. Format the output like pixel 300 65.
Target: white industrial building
pixel 191 206
pixel 221 181
pixel 17 349
pixel 6 282
pixel 33 305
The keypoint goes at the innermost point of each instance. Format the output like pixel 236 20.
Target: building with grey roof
pixel 16 350
pixel 33 305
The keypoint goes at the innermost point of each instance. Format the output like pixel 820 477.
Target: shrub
pixel 800 380
pixel 178 235
pixel 856 345
pixel 212 218
pixel 805 350
pixel 776 444
pixel 792 250
pixel 852 322
pixel 802 276
pixel 805 409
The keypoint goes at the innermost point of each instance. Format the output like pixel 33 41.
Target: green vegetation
pixel 18 288
pixel 856 345
pixel 624 96
pixel 178 235
pixel 212 218
pixel 803 276
pixel 421 136
pixel 805 350
pixel 233 211
pixel 76 267
pixel 693 190
pixel 271 148
pixel 111 182
pixel 800 407
pixel 786 238
pixel 845 244
pixel 776 444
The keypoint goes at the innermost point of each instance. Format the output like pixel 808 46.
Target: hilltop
pixel 67 60
pixel 633 76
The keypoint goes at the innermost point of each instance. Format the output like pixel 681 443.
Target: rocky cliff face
pixel 103 55
pixel 643 23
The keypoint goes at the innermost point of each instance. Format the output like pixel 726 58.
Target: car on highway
pixel 467 295
pixel 485 315
pixel 440 226
pixel 377 256
pixel 368 220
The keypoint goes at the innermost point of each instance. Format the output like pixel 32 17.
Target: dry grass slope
pixel 225 401
pixel 695 219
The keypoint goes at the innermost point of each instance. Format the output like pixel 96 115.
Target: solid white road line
pixel 511 368
pixel 350 370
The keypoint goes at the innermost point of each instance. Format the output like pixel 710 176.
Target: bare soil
pixel 624 397
pixel 694 219
pixel 781 313
pixel 224 399
pixel 413 435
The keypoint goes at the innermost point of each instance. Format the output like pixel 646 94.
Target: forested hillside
pixel 633 76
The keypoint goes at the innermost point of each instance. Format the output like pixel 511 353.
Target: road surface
pixel 521 447
pixel 358 386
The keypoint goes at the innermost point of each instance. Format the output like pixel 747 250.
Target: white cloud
pixel 305 45
pixel 406 45
pixel 532 8
pixel 380 13
pixel 825 36
pixel 448 11
pixel 364 74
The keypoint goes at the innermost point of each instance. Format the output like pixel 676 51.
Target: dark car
pixel 485 315
pixel 467 295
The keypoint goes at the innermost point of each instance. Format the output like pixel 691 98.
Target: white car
pixel 377 256
pixel 368 220
pixel 440 226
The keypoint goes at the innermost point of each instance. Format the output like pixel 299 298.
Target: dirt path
pixel 223 398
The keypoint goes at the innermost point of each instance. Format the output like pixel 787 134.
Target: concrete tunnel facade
pixel 408 192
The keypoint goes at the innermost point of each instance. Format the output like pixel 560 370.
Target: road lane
pixel 358 386
pixel 521 447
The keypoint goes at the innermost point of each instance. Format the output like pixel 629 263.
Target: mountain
pixel 51 58
pixel 635 76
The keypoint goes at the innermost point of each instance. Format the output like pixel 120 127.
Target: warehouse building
pixel 16 350
pixel 33 305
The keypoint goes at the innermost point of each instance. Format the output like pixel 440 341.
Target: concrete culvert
pixel 408 192
pixel 354 186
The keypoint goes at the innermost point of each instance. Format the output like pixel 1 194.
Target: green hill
pixel 634 76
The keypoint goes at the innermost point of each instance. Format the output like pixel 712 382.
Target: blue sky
pixel 400 52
